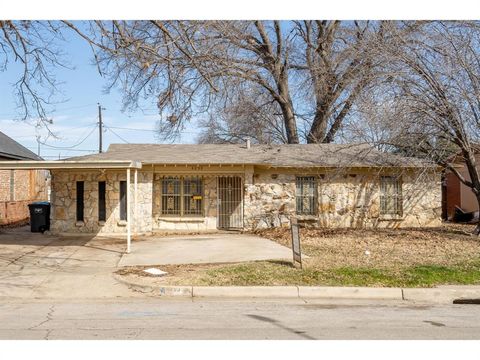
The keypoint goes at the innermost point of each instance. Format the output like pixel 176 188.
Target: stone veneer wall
pixel 187 223
pixel 63 201
pixel 344 200
pixel 350 200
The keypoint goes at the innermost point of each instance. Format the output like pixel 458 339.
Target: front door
pixel 229 202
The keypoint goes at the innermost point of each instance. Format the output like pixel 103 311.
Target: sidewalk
pixel 438 295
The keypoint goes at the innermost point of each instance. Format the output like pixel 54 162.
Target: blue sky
pixel 77 116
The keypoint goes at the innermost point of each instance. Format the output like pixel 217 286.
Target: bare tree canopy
pixel 309 73
pixel 33 45
pixel 432 86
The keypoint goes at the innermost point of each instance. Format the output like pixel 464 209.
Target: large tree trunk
pixel 476 231
pixel 319 128
pixel 286 105
pixel 290 123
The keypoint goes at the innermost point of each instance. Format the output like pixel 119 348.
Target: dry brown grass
pixel 389 248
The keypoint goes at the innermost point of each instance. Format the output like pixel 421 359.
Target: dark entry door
pixel 229 202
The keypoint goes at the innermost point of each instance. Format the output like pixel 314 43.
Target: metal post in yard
pixel 129 231
pixel 135 198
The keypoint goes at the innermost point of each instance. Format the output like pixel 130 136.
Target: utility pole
pixel 100 127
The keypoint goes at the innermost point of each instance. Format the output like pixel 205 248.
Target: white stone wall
pixel 344 200
pixel 63 212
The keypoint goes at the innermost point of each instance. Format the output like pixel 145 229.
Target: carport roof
pixel 71 164
pixel 291 155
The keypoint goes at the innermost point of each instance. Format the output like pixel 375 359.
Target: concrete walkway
pixel 208 248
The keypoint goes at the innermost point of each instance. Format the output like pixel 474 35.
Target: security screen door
pixel 229 202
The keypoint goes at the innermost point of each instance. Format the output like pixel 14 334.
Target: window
pixel 102 213
pixel 306 195
pixel 123 200
pixel 80 203
pixel 391 195
pixel 182 196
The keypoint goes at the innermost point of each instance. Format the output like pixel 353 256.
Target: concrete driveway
pixel 207 248
pixel 33 265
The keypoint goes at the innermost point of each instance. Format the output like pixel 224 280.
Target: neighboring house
pixel 18 187
pixel 147 187
pixel 457 194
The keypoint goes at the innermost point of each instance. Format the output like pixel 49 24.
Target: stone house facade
pixel 147 188
pixel 210 187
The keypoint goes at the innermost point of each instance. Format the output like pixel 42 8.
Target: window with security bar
pixel 391 200
pixel 306 195
pixel 182 196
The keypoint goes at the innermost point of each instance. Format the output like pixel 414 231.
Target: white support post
pixel 135 202
pixel 129 215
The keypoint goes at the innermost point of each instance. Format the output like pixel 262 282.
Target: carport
pixel 128 166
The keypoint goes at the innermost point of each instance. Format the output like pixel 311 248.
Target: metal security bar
pixel 391 200
pixel 171 196
pixel 306 195
pixel 193 196
pixel 229 202
pixel 182 196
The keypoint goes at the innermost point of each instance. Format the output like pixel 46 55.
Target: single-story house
pixel 19 187
pixel 455 193
pixel 144 188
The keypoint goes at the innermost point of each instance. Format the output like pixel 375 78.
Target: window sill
pixel 307 217
pixel 80 224
pixel 101 223
pixel 122 222
pixel 388 217
pixel 181 218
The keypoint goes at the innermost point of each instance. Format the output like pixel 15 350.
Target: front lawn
pixel 390 258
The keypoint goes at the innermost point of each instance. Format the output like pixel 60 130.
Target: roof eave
pixel 68 164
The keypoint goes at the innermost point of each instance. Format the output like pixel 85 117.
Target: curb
pixel 430 295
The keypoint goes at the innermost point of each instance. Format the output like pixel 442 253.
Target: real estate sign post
pixel 297 254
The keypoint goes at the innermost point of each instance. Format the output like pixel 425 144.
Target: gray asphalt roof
pixel 300 155
pixel 9 148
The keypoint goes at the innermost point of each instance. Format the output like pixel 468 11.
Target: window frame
pixel 181 196
pixel 123 200
pixel 102 201
pixel 396 197
pixel 312 180
pixel 80 201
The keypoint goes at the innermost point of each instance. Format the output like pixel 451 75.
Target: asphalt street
pixel 162 318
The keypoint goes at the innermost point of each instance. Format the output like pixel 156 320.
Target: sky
pixel 77 115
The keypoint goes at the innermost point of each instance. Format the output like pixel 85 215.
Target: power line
pixel 73 146
pixel 147 130
pixel 114 133
pixel 123 128
pixel 64 109
pixel 84 150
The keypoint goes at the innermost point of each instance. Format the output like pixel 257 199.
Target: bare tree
pixel 434 87
pixel 249 116
pixel 310 72
pixel 33 45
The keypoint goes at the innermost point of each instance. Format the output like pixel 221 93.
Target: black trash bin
pixel 39 216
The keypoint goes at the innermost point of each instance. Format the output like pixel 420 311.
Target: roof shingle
pixel 11 149
pixel 291 155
